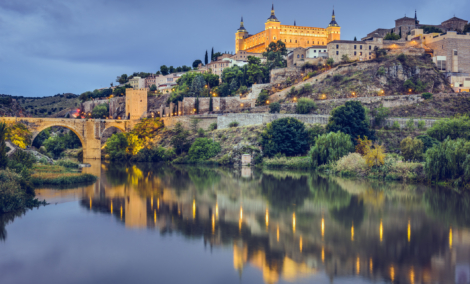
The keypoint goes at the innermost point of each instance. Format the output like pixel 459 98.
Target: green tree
pixel 345 58
pixel 255 71
pixel 412 148
pixel 171 70
pixel 275 53
pixel 305 106
pixel 122 79
pixel 116 146
pixel 466 29
pixel 330 61
pixel 431 29
pixel 164 70
pixel 330 148
pixel 428 142
pixel 197 62
pixel 179 141
pixel 355 39
pixel 197 85
pixel 263 97
pixel 153 88
pixel 274 107
pixel 233 85
pixel 100 111
pixel 212 54
pixel 449 160
pixel 41 137
pixel 350 119
pixel 3 146
pixel 380 114
pixel 287 136
pixel 392 36
pixel 457 127
pixel 203 149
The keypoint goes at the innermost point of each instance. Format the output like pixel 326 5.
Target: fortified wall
pixel 188 105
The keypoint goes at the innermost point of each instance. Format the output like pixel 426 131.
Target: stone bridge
pixel 89 131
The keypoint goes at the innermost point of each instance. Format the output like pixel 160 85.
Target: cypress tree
pixel 206 59
pixel 196 105
pixel 211 107
pixel 355 39
pixel 212 54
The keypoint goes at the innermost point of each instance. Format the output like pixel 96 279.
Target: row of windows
pixel 298 56
pixel 308 42
pixel 355 47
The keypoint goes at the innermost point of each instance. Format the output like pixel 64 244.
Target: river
pixel 152 223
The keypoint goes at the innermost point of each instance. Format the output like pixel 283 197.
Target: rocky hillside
pixel 10 107
pixel 49 106
pixel 388 75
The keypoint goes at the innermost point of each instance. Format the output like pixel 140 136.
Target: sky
pixel 68 46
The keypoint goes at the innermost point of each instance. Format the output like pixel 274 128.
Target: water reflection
pixel 292 225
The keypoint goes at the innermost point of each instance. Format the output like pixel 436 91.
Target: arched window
pixel 295 41
pixel 297 56
pixel 274 38
pixel 302 56
pixel 290 40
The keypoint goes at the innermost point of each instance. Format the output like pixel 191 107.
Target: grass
pixel 304 162
pixel 58 175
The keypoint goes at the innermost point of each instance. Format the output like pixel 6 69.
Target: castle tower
pixel 272 28
pixel 240 36
pixel 136 103
pixel 333 30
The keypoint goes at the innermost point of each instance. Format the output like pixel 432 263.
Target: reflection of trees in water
pixel 285 193
pixel 7 218
pixel 350 215
pixel 116 173
pixel 448 206
pixel 326 191
pixel 203 178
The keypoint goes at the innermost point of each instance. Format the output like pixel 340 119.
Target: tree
pixel 431 29
pixel 18 134
pixel 197 62
pixel 254 72
pixel 197 85
pixel 171 69
pixel 3 146
pixel 123 79
pixel 203 149
pixel 391 36
pixel 412 149
pixel 305 106
pixel 147 128
pixel 345 58
pixel 466 29
pixel 275 53
pixel 287 136
pixel 216 55
pixel 449 160
pixel 262 98
pixel 375 156
pixel 100 111
pixel 212 54
pixel 164 70
pixel 274 107
pixel 330 61
pixel 380 114
pixel 153 88
pixel 351 119
pixel 116 146
pixel 179 141
pixel 428 142
pixel 457 127
pixel 330 147
pixel 355 39
pixel 233 85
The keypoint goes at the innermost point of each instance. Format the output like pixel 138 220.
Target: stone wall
pixel 256 90
pixel 88 106
pixel 280 75
pixel 117 107
pixel 218 104
pixel 205 121
pixel 136 103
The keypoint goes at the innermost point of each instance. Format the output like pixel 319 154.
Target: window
pixel 290 40
pixel 360 53
pixel 302 56
pixel 315 51
pixel 297 56
pixel 360 46
pixel 455 52
pixel 337 52
pixel 274 38
pixel 337 46
pixel 314 57
pixel 441 65
pixel 295 41
pixel 370 47
pixel 354 53
pixel 354 47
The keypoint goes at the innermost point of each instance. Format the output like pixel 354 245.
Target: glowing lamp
pixel 267 102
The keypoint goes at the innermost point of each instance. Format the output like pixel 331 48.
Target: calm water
pixel 162 224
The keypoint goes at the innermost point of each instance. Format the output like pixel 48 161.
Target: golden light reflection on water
pixel 121 212
pixel 155 216
pixel 300 244
pixel 392 273
pixel 90 202
pixel 158 204
pixel 450 238
pixel 352 233
pixel 194 209
pixel 371 265
pixel 381 230
pixel 213 224
pixel 293 222
pixel 267 218
pixel 217 211
pixel 322 254
pixel 358 265
pixel 277 233
pixel 111 209
pixel 322 227
pixel 412 275
pixel 409 230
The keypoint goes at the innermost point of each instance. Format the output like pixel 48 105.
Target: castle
pixel 293 36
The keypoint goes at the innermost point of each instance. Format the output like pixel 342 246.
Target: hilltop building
pixel 292 35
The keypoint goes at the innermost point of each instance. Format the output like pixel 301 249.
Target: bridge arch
pixel 44 127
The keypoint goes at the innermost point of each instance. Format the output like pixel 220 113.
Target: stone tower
pixel 240 35
pixel 272 28
pixel 136 103
pixel 333 30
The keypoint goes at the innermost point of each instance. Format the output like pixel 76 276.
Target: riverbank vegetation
pixel 62 173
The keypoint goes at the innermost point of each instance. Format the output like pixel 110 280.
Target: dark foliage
pixel 350 119
pixel 287 136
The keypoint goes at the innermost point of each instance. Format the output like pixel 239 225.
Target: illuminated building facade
pixel 292 35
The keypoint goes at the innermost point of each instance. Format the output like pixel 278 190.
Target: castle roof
pixel 241 28
pixel 405 18
pixel 348 41
pixel 272 18
pixel 333 22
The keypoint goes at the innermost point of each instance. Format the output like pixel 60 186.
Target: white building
pixel 317 51
pixel 137 83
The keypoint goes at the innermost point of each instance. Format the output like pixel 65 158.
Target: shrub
pixel 158 154
pixel 21 162
pixel 306 89
pixel 287 136
pixel 263 97
pixel 410 124
pixel 66 163
pixel 396 125
pixel 381 71
pixel 380 114
pixel 305 106
pixel 179 141
pixel 351 165
pixel 449 160
pixel 363 145
pixel 288 162
pixel 412 149
pixel 375 156
pixel 193 124
pixel 233 124
pixel 200 132
pixel 274 107
pixel 428 142
pixel 337 78
pixel 18 134
pixel 203 149
pixel 426 96
pixel 212 126
pixel 330 147
pixel 457 127
pixel 401 57
pixel 350 119
pixel 15 192
pixel 100 111
pixel 421 125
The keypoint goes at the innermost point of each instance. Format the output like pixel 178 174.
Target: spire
pixel 242 28
pixel 333 22
pixel 416 18
pixel 273 17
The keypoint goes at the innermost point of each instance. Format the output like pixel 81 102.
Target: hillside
pixel 388 75
pixel 48 106
pixel 11 107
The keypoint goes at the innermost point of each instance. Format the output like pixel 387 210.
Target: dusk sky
pixel 61 46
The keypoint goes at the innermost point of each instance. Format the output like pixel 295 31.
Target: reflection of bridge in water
pixel 359 232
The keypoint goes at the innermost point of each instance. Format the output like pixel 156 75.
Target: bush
pixel 200 132
pixel 351 165
pixel 412 149
pixel 15 192
pixel 396 125
pixel 233 124
pixel 410 124
pixel 380 114
pixel 421 125
pixel 350 119
pixel 116 146
pixel 287 136
pixel 402 57
pixel 375 156
pixel 21 162
pixel 263 97
pixel 428 142
pixel 426 96
pixel 305 106
pixel 158 154
pixel 66 163
pixel 449 160
pixel 179 141
pixel 203 149
pixel 288 162
pixel 330 147
pixel 212 126
pixel 100 111
pixel 457 127
pixel 363 145
pixel 274 107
